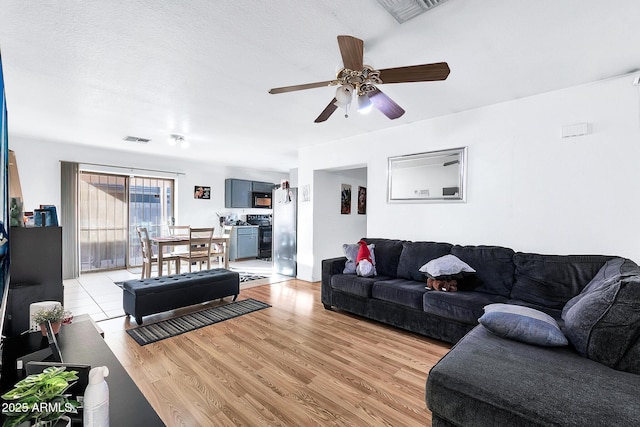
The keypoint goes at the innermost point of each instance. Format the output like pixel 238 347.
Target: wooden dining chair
pixel 220 250
pixel 148 258
pixel 199 247
pixel 179 230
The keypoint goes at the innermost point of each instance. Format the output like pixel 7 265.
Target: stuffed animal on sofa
pixel 449 285
pixel 364 262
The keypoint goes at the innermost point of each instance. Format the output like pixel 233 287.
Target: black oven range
pixel 264 234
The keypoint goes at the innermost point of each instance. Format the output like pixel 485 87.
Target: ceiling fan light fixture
pixel 364 104
pixel 344 95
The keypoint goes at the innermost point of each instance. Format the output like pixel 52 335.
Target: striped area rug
pixel 153 332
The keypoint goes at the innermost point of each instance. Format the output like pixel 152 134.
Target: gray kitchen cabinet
pixel 262 187
pixel 237 193
pixel 243 242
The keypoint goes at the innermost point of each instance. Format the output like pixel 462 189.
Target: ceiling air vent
pixel 403 10
pixel 136 139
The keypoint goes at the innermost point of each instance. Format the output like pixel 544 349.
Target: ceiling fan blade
pixel 299 87
pixel 385 104
pixel 415 73
pixel 352 50
pixel 327 112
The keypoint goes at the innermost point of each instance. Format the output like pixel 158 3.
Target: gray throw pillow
pixel 603 321
pixel 523 324
pixel 446 267
pixel 351 252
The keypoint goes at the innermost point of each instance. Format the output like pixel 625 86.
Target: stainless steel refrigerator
pixel 285 222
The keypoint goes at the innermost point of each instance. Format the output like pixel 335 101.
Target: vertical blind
pixel 103 224
pixel 69 218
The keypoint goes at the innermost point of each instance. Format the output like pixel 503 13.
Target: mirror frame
pixel 461 152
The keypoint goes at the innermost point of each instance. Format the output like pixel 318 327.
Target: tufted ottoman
pixel 158 294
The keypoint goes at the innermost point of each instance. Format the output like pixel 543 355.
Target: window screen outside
pixel 111 206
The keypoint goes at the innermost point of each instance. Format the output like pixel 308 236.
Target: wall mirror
pixel 435 176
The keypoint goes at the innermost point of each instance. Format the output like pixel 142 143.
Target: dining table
pixel 174 241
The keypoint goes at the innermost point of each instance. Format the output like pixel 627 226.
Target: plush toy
pixel 364 263
pixel 450 285
pixel 15 213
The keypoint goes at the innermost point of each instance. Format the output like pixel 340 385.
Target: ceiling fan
pixel 361 79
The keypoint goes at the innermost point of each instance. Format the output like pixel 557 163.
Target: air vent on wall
pixel 403 10
pixel 136 139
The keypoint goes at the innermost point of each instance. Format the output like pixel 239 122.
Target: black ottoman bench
pixel 158 294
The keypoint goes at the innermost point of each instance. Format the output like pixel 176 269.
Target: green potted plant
pixel 56 316
pixel 40 400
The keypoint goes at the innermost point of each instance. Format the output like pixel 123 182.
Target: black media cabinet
pixel 81 343
pixel 36 273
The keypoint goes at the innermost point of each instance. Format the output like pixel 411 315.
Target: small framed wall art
pixel 345 199
pixel 202 192
pixel 362 200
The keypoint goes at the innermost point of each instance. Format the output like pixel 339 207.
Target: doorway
pixel 110 207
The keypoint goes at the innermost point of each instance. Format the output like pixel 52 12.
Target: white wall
pixel 334 227
pixel 39 169
pixel 528 188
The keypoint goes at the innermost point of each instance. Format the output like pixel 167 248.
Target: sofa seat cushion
pixel 603 321
pixel 416 254
pixel 493 264
pixel 387 255
pixel 400 291
pixel 463 306
pixel 552 280
pixel 486 380
pixel 355 285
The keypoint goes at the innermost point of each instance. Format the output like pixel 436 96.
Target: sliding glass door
pixel 150 206
pixel 111 206
pixel 103 221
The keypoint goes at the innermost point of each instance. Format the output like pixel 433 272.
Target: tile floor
pixel 97 295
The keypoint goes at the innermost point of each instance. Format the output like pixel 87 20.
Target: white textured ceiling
pixel 92 72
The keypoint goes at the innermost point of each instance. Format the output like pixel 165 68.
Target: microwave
pixel 261 200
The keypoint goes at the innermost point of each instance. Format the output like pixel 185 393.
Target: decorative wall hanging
pixel 202 192
pixel 362 200
pixel 436 176
pixel 306 193
pixel 345 199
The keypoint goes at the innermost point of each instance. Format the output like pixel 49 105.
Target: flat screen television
pixel 4 205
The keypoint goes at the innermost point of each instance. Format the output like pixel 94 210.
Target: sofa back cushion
pixel 493 264
pixel 552 280
pixel 603 321
pixel 416 254
pixel 387 255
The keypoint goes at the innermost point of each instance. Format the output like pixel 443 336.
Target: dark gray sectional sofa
pixel 487 380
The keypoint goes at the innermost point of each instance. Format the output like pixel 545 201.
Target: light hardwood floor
pixel 294 364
